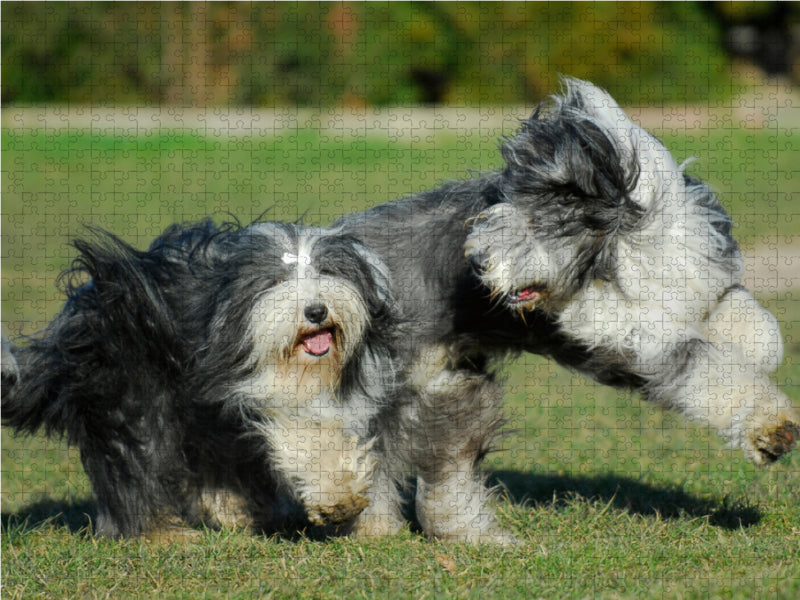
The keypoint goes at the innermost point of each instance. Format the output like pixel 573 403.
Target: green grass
pixel 609 497
pixel 54 183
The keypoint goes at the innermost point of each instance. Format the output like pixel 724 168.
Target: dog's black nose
pixel 316 313
pixel 476 262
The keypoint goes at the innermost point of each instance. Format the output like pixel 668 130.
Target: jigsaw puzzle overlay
pixel 281 277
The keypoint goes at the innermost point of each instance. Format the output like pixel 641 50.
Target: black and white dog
pixel 227 375
pixel 445 414
pixel 560 223
pixel 634 259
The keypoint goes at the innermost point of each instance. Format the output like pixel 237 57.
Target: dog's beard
pixel 314 428
pixel 514 262
pixel 297 361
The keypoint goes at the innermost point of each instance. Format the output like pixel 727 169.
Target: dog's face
pixel 520 263
pixel 580 177
pixel 299 307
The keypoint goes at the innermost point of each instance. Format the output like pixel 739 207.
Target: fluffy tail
pixel 116 318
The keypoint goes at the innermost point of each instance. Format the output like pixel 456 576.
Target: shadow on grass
pixel 76 516
pixel 541 489
pixel 625 494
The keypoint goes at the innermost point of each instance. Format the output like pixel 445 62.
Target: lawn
pixel 609 497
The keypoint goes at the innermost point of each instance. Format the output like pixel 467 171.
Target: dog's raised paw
pixel 773 442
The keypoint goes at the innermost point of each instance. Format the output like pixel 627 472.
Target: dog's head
pixel 580 178
pixel 329 299
pixel 291 312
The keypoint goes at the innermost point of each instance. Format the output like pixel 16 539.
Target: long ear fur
pixel 567 153
pixel 575 176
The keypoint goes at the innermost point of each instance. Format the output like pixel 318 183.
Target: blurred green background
pixel 131 116
pixel 385 53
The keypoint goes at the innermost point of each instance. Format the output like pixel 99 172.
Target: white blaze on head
pixel 278 322
pixel 300 258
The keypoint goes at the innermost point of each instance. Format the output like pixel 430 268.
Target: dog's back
pixel 111 373
pixel 114 321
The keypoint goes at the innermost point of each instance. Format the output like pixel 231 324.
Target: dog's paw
pixel 336 510
pixel 223 509
pixel 765 425
pixel 339 493
pixel 459 509
pixel 769 442
pixel 491 537
pixel 373 524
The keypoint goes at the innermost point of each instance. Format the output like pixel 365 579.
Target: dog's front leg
pixel 328 469
pixel 453 424
pixel 718 384
pixel 747 344
pixel 383 515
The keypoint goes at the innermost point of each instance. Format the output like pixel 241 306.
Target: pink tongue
pixel 527 294
pixel 318 343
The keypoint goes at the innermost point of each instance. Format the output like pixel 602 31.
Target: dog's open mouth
pixel 317 343
pixel 529 295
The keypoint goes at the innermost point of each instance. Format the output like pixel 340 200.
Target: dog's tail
pixel 116 319
pixel 9 368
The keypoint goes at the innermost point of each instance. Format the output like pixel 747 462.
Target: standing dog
pixel 227 375
pixel 458 328
pixel 602 230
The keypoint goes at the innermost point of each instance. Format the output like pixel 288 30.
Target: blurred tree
pixel 317 54
pixel 763 32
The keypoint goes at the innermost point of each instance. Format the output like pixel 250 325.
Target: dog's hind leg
pixel 125 509
pixel 138 477
pixel 454 424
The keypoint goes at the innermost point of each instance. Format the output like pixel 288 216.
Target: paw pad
pixel 773 444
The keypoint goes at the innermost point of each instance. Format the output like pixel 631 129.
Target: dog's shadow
pixel 77 516
pixel 623 493
pixel 520 488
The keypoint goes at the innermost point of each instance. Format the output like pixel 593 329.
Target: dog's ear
pixel 567 154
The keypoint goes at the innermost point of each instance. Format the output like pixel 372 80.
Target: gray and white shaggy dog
pixel 570 180
pixel 634 259
pixel 591 247
pixel 227 375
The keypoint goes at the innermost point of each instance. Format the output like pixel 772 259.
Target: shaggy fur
pixel 603 231
pixel 459 328
pixel 452 404
pixel 446 415
pixel 228 376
